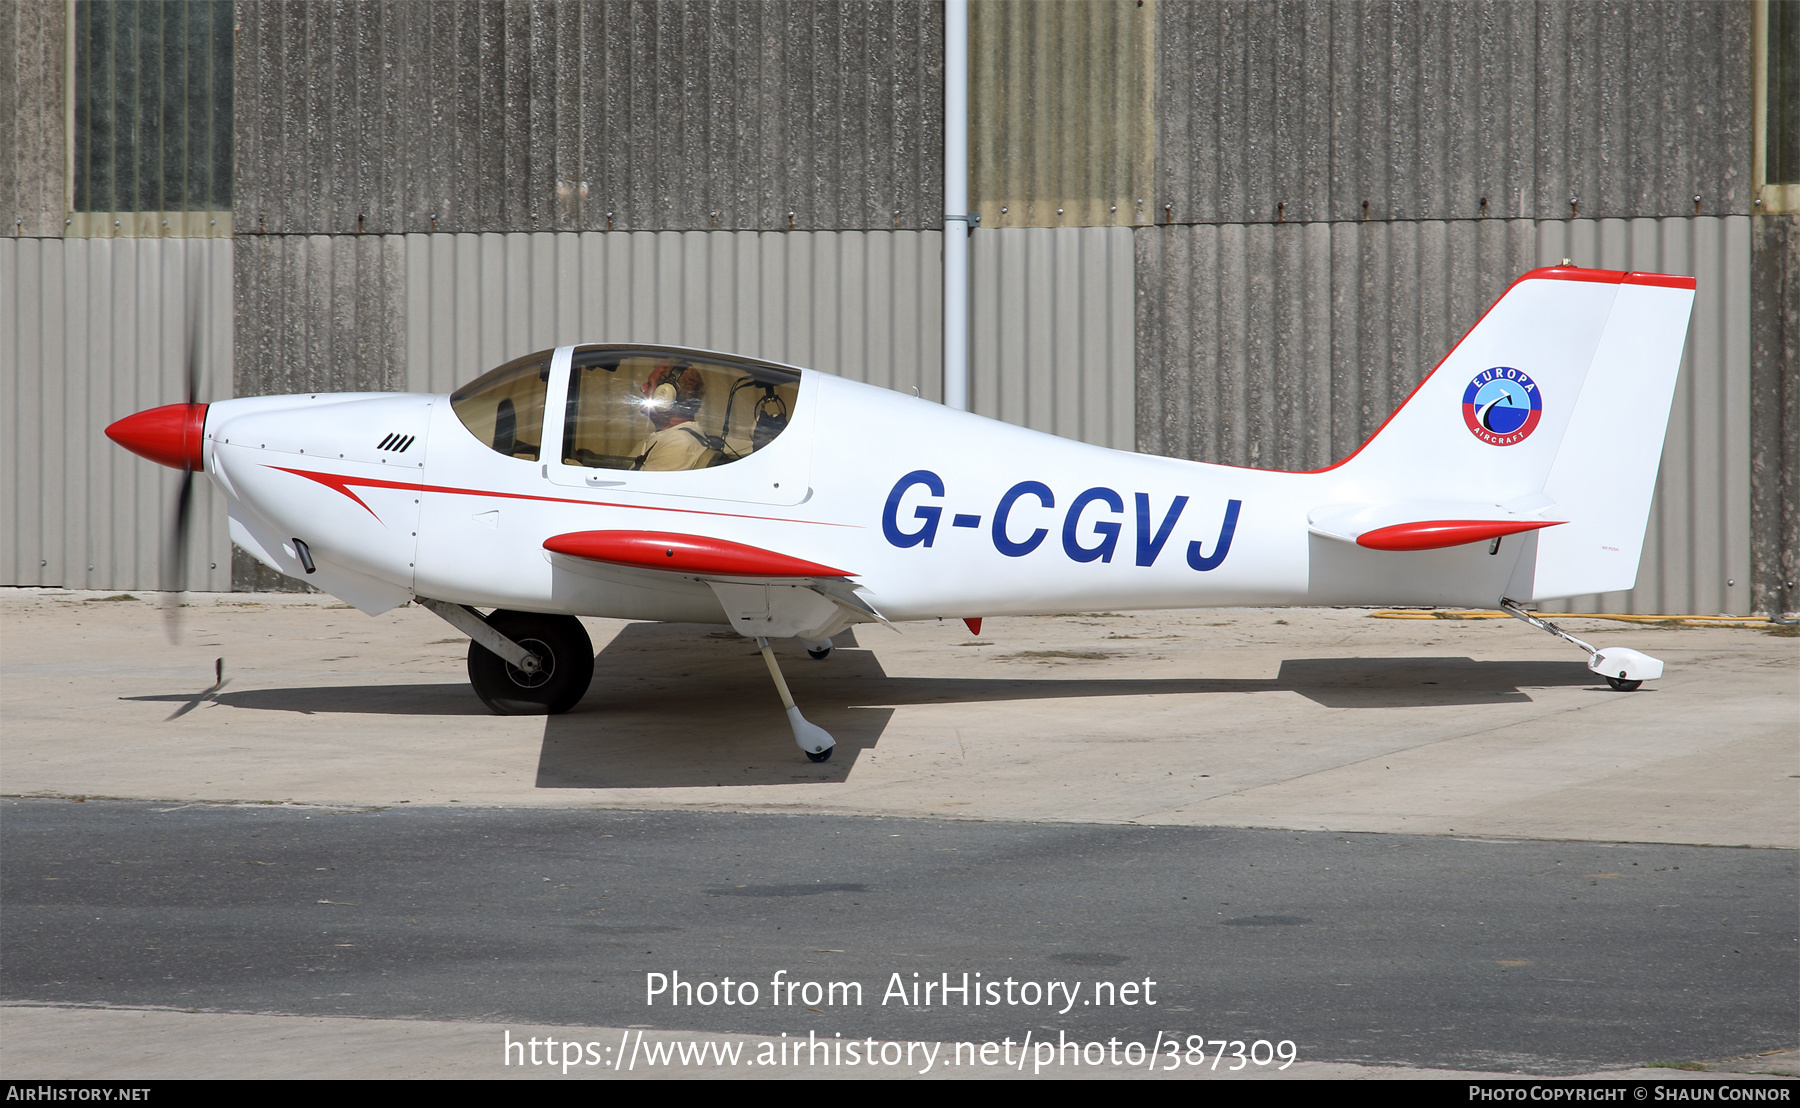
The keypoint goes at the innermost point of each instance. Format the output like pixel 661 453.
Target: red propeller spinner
pixel 172 435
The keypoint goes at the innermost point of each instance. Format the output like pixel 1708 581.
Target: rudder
pixel 1605 471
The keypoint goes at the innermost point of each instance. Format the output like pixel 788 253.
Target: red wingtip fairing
pixel 172 435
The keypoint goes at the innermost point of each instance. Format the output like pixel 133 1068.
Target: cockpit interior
pixel 633 408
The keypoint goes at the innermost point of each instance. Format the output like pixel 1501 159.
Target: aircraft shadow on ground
pixel 452 699
pixel 674 706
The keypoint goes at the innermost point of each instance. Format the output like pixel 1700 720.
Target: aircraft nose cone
pixel 171 435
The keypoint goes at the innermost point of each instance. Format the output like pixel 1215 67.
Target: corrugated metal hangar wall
pixel 1231 232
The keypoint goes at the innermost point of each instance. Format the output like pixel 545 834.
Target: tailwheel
pixel 1623 685
pixel 566 655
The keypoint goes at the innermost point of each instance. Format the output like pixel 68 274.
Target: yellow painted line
pixel 1436 613
pixel 1452 613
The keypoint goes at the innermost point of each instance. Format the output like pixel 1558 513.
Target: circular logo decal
pixel 1502 406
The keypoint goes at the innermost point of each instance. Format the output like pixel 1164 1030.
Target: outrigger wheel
pixel 567 656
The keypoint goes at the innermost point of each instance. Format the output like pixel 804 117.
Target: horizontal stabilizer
pixel 690 554
pixel 1429 525
pixel 1435 534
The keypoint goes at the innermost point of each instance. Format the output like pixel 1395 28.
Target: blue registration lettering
pixel 929 513
pixel 1108 531
pixel 1005 545
pixel 1150 547
pixel 1218 555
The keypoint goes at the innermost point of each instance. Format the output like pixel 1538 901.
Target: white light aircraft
pixel 655 483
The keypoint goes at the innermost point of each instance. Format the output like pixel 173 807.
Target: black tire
pixel 821 756
pixel 818 655
pixel 1623 685
pixel 568 656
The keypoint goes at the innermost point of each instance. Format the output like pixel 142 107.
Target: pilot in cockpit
pixel 672 398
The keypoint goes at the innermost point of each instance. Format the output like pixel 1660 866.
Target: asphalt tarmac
pixel 1547 958
pixel 1438 845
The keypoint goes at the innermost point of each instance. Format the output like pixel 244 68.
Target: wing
pixel 757 587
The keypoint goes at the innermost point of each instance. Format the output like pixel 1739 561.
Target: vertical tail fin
pixel 1555 404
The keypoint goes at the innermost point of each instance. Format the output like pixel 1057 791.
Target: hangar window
pixel 149 114
pixel 641 409
pixel 504 407
pixel 1778 146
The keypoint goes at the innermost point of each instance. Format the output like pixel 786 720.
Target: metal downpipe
pixel 956 204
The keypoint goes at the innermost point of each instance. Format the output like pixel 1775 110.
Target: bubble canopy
pixel 504 407
pixel 634 408
pixel 649 409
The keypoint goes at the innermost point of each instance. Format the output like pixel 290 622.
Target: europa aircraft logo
pixel 1502 406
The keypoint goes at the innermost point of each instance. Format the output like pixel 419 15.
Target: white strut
pixel 814 740
pixel 1623 669
pixel 469 622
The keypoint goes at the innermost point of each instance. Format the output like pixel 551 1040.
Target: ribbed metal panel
pixel 1052 347
pixel 1061 131
pixel 866 305
pixel 1307 110
pixel 92 330
pixel 1285 346
pixel 320 313
pixel 32 131
pixel 417 116
pixel 1775 411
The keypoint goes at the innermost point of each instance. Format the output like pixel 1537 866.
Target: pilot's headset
pixel 673 390
pixel 771 418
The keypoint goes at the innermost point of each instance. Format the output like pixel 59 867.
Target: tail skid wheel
pixel 568 665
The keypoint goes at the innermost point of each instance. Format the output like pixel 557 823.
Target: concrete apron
pixel 1305 719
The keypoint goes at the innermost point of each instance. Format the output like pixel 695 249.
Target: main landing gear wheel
pixel 563 646
pixel 1623 685
pixel 821 756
